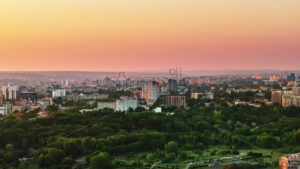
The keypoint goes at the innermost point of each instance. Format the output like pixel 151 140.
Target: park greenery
pixel 189 138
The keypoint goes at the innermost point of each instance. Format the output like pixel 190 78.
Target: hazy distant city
pixel 227 119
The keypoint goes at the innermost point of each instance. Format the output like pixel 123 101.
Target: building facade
pixel 172 85
pixel 126 104
pixel 9 92
pixel 109 105
pixel 5 109
pixel 177 101
pixel 29 96
pixel 59 93
pixel 150 92
pixel 203 96
pixel 290 161
pixel 276 97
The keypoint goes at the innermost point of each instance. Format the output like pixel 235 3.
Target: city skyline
pixel 137 35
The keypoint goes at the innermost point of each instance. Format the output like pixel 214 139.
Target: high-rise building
pixel 1 97
pixel 276 97
pixel 150 92
pixel 177 101
pixel 107 82
pixel 296 90
pixel 287 100
pixel 9 92
pixel 291 77
pixel 172 84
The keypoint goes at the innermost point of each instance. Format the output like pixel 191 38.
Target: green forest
pixel 188 138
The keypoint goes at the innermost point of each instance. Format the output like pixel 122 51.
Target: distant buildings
pixel 203 96
pixel 290 100
pixel 287 98
pixel 150 92
pixel 1 98
pixel 126 104
pixel 274 78
pixel 59 93
pixel 257 77
pixel 276 97
pixel 290 161
pixel 122 104
pixel 172 84
pixel 29 96
pixel 177 101
pixel 9 92
pixel 257 105
pixel 5 109
pixel 109 105
pixel 291 77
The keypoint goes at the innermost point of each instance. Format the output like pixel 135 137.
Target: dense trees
pixel 101 161
pixel 171 150
pixel 69 134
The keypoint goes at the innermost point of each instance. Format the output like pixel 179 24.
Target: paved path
pixel 79 161
pixel 154 165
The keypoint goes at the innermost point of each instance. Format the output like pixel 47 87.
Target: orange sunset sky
pixel 149 35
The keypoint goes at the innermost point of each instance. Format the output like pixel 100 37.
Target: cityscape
pixel 140 84
pixel 172 95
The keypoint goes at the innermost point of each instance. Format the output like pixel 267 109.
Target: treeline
pixel 58 140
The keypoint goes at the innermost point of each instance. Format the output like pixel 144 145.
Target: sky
pixel 149 35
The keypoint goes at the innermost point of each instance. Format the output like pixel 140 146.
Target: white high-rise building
pixel 9 92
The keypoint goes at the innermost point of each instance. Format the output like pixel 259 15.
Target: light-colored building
pixel 126 104
pixel 291 161
pixel 44 103
pixel 5 109
pixel 122 104
pixel 59 93
pixel 43 114
pixel 204 96
pixel 194 95
pixel 157 110
pixel 17 108
pixel 296 90
pixel 9 92
pixel 109 105
pixel 150 92
pixel 290 100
